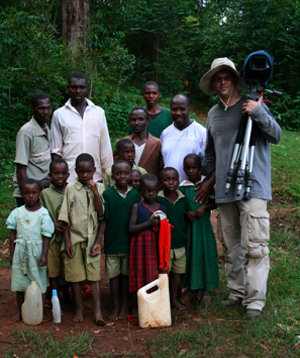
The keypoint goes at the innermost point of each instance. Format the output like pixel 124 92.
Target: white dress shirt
pixel 176 144
pixel 72 135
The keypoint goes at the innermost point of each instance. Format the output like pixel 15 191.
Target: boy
pixel 51 198
pixel 160 118
pixel 81 209
pixel 118 200
pixel 124 151
pixel 176 205
pixel 135 177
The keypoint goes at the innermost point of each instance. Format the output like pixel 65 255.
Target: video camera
pixel 258 68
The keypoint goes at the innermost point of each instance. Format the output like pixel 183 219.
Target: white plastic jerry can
pixel 154 308
pixel 32 308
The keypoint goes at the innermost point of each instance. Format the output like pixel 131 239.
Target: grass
pixel 36 345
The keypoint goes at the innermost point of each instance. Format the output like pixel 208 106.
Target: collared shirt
pixel 52 199
pixel 123 195
pixel 32 150
pixel 176 144
pixel 72 135
pixel 78 211
pixel 108 180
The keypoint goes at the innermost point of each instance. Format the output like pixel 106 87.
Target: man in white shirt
pixel 184 136
pixel 80 127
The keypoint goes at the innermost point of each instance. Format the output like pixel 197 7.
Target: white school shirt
pixel 176 144
pixel 72 135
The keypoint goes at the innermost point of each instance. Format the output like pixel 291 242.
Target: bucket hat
pixel 217 65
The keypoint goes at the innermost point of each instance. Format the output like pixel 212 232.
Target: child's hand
pixel 92 185
pixel 154 220
pixel 191 215
pixel 43 261
pixel 96 249
pixel 59 227
pixel 200 211
pixel 68 249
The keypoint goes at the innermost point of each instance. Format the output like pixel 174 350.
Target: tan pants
pixel 243 229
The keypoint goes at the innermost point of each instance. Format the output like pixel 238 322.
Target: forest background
pixel 121 44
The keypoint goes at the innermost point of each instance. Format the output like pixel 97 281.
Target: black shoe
pixel 231 302
pixel 253 313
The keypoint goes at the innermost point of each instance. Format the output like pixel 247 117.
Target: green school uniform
pixel 117 211
pixel 176 216
pixel 201 251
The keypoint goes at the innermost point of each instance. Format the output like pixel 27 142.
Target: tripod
pixel 241 163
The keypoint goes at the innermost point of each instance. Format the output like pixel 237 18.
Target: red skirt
pixel 143 260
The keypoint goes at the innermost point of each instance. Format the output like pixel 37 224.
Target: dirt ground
pixel 121 337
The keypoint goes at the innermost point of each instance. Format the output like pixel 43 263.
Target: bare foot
pixel 99 319
pixel 114 315
pixel 17 316
pixel 78 318
pixel 124 312
pixel 176 304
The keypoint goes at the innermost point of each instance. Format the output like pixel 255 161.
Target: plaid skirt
pixel 143 260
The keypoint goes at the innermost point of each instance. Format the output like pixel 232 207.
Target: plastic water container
pixel 32 308
pixel 56 311
pixel 154 308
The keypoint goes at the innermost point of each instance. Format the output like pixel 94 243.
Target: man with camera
pixel 243 225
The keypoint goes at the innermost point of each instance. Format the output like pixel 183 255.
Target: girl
pixel 143 257
pixel 202 272
pixel 31 229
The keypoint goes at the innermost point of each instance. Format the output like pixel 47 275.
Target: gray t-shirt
pixel 222 128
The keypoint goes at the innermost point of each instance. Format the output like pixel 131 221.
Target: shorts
pixel 177 262
pixel 116 265
pixel 76 268
pixel 54 260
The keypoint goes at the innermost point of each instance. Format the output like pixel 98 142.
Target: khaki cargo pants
pixel 243 229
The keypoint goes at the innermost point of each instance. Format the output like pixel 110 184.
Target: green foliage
pixel 287 111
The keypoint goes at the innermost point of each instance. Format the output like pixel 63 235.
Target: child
pixel 125 151
pixel 45 183
pixel 118 201
pixel 31 229
pixel 176 206
pixel 135 177
pixel 52 198
pixel 202 258
pixel 160 118
pixel 143 260
pixel 81 209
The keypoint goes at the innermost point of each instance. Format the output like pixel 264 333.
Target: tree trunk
pixel 75 22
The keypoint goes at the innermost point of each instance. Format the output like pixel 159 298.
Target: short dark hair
pixel 167 169
pixel 57 162
pixel 119 162
pixel 150 83
pixel 35 98
pixel 195 157
pixel 150 178
pixel 30 181
pixel 140 109
pixel 77 75
pixel 135 171
pixel 85 157
pixel 123 143
pixel 46 181
pixel 177 96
